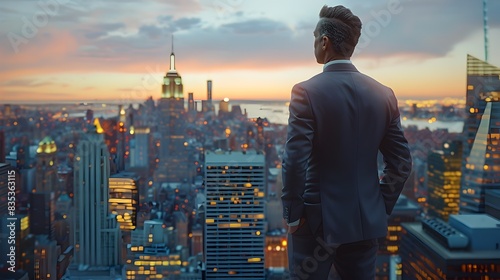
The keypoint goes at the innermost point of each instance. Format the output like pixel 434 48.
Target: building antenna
pixel 485 26
pixel 173 41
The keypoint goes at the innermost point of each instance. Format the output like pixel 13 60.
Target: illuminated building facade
pixel 443 180
pixel 25 243
pixel 45 258
pixel 388 261
pixel 149 256
pixel 481 153
pixel 276 251
pixel 224 106
pixel 140 146
pixel 46 169
pixel 234 215
pixel 96 234
pixel 174 157
pixel 464 248
pixel 124 199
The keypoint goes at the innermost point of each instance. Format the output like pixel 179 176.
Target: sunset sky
pixel 57 50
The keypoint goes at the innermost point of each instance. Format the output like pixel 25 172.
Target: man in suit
pixel 334 201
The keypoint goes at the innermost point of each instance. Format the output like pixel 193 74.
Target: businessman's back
pixel 332 194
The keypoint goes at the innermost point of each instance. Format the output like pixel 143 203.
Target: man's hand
pixel 292 229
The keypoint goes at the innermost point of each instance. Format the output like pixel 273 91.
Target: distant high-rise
pixel 121 147
pixel 224 106
pixel 173 165
pixel 46 258
pixel 388 264
pixel 46 168
pixel 2 146
pixel 124 199
pixel 4 187
pixel 96 233
pixel 42 209
pixel 191 104
pixel 209 92
pixel 444 173
pixel 234 215
pixel 140 147
pixel 481 152
pixel 464 248
pixel 24 241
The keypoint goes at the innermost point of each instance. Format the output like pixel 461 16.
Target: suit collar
pixel 347 67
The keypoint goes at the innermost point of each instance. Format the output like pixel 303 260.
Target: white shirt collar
pixel 336 62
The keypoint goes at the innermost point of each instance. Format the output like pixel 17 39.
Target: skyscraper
pixel 481 153
pixel 96 233
pixel 2 146
pixel 173 165
pixel 4 188
pixel 42 209
pixel 388 261
pixel 443 173
pixel 140 147
pixel 46 169
pixel 124 199
pixel 234 216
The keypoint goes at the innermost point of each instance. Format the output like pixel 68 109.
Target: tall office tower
pixel 89 116
pixel 492 201
pixel 148 257
pixel 46 258
pixel 191 104
pixel 4 187
pixel 173 165
pixel 464 248
pixel 96 233
pixel 124 199
pixel 235 184
pixel 209 92
pixel 121 129
pixel 46 168
pixel 42 209
pixel 388 260
pixel 481 155
pixel 2 146
pixel 140 148
pixel 224 107
pixel 443 180
pixel 181 226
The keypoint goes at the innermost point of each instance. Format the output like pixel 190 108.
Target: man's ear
pixel 324 42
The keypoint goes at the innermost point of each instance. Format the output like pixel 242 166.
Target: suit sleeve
pixel 298 149
pixel 398 163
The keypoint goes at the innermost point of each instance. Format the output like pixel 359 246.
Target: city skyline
pixel 63 50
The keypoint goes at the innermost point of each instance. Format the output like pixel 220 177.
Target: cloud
pixel 256 26
pixel 421 28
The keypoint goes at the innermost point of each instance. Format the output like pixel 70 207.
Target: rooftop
pixel 232 158
pixel 477 221
pixel 416 230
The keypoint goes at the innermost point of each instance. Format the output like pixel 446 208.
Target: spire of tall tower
pixel 485 26
pixel 172 57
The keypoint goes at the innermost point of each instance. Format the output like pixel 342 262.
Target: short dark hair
pixel 341 26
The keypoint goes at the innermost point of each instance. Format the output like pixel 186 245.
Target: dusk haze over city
pixel 249 140
pixel 107 50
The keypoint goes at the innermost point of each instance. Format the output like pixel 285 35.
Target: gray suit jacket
pixel 339 120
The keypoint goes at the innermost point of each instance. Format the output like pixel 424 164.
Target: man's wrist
pixel 294 223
